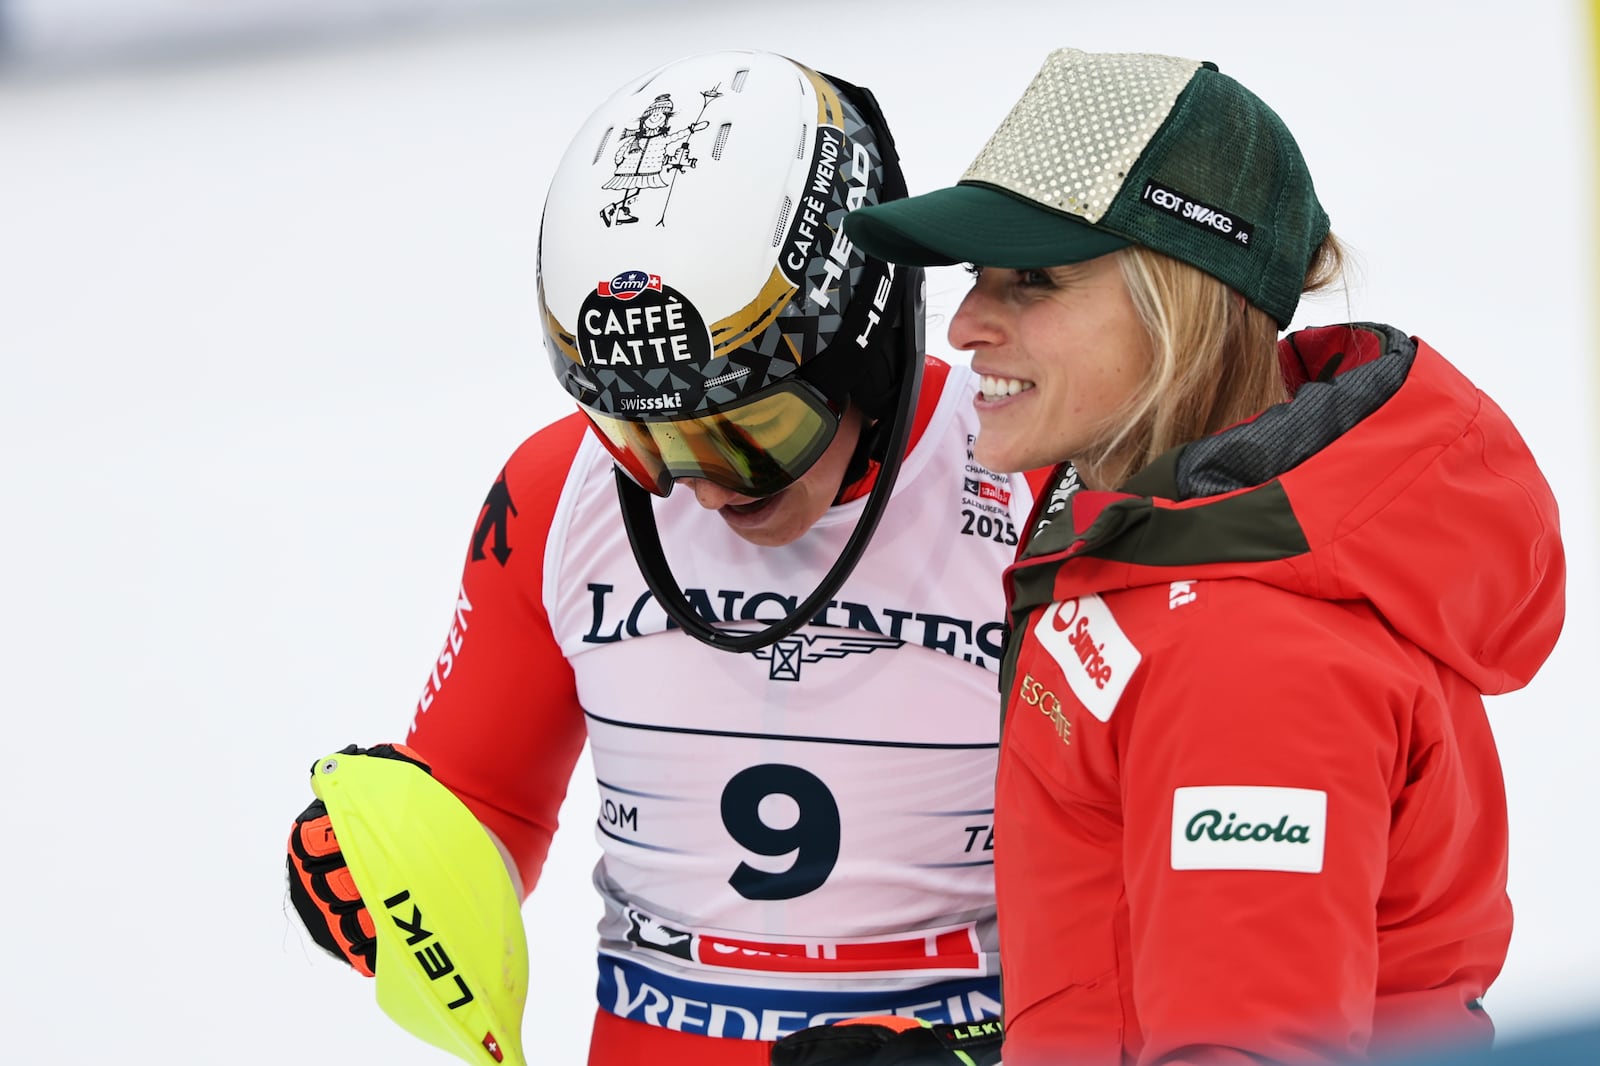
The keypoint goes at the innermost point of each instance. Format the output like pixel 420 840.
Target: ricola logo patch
pixel 1248 827
pixel 1092 651
pixel 628 284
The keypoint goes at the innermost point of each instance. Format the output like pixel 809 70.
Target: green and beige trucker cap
pixel 1106 150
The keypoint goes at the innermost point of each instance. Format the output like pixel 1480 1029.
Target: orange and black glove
pixel 891 1040
pixel 320 886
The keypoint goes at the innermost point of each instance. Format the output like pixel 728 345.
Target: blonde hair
pixel 1213 359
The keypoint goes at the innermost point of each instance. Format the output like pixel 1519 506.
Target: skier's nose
pixel 711 496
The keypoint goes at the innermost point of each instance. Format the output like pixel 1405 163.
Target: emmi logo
pixel 433 959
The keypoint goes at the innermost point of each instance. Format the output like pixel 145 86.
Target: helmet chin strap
pixel 639 518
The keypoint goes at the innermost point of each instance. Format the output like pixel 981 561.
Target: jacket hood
pixel 1388 477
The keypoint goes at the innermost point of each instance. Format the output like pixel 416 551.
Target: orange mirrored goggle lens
pixel 756 449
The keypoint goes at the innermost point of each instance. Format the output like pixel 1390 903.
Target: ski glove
pixel 891 1040
pixel 320 886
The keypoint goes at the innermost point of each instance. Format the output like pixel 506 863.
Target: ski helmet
pixel 698 295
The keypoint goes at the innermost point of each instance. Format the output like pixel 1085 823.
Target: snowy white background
pixel 267 333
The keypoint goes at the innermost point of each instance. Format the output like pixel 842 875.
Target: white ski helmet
pixel 698 295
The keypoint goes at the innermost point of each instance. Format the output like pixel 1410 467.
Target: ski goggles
pixel 756 448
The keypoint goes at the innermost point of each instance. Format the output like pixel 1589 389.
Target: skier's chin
pixel 768 522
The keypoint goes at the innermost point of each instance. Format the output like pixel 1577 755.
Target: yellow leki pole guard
pixel 452 955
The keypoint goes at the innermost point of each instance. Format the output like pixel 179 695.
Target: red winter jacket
pixel 1248 804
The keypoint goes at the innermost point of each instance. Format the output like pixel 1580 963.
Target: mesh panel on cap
pixel 1225 149
pixel 1072 138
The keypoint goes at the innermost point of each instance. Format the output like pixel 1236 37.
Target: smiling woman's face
pixel 1060 352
